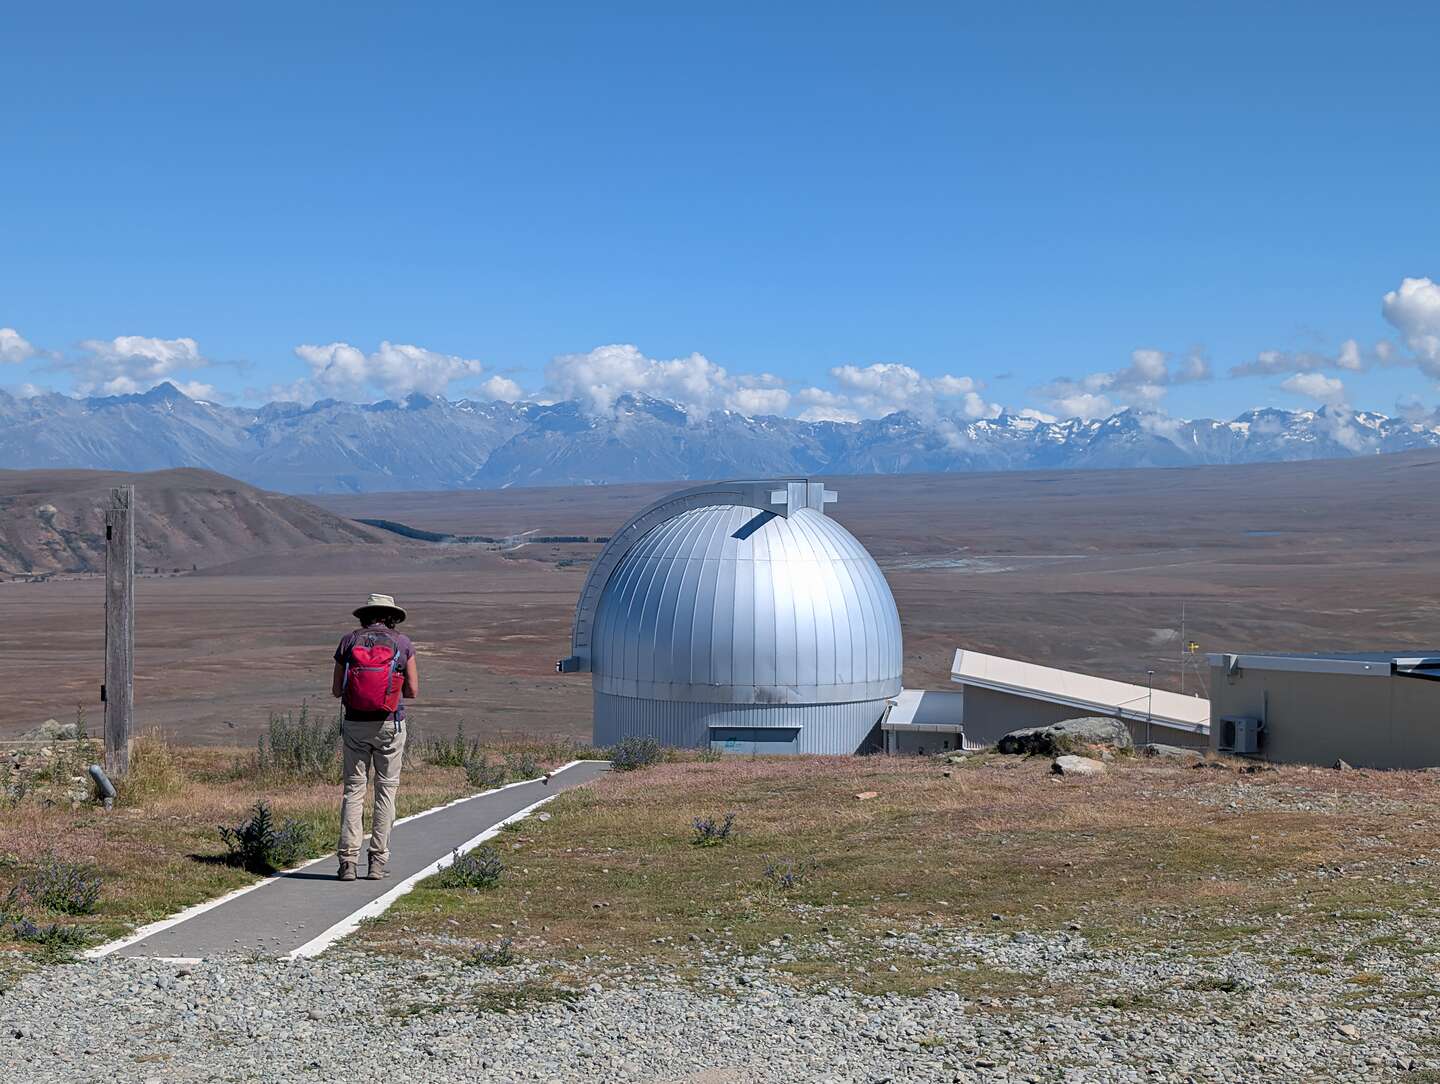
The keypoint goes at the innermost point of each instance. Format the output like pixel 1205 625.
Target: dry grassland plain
pixel 1078 569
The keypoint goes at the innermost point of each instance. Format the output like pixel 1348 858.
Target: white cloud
pixel 598 378
pixel 195 389
pixel 1144 382
pixel 1414 311
pixel 1083 405
pixel 1327 389
pixel 821 405
pixel 1036 415
pixel 501 388
pixel 886 387
pixel 341 370
pixel 761 400
pixel 14 347
pixel 131 363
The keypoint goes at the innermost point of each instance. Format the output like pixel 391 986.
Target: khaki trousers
pixel 383 746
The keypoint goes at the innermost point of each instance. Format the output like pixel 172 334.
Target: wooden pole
pixel 118 691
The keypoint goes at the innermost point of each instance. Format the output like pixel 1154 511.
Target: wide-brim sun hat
pixel 377 604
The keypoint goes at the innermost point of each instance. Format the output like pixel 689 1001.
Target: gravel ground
pixel 1158 1016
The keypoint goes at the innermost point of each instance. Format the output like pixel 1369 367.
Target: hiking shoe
pixel 347 871
pixel 377 871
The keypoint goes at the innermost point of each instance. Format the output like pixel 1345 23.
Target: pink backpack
pixel 373 674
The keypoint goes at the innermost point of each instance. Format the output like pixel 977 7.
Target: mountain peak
pixel 334 445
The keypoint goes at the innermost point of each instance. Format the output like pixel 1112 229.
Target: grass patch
pixel 158 851
pixel 1159 857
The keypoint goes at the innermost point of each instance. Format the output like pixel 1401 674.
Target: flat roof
pixel 926 709
pixel 1102 696
pixel 1412 663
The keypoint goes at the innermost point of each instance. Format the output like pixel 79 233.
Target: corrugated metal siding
pixel 824 728
pixel 733 605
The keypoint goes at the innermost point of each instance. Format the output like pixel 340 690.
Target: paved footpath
pixel 301 912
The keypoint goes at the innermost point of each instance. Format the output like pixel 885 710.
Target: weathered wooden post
pixel 118 692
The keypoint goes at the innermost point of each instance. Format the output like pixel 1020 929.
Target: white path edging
pixel 142 932
pixel 381 904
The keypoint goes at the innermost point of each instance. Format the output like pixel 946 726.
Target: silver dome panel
pixel 741 605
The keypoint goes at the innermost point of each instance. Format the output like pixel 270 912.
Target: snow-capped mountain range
pixel 424 442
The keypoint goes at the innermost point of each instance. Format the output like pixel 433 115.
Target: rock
pixel 52 730
pixel 1173 752
pixel 1073 765
pixel 1067 736
pixel 866 795
pixel 955 758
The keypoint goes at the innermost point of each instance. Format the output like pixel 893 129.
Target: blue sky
pixel 831 211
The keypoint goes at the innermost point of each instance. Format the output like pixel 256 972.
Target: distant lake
pixel 1264 534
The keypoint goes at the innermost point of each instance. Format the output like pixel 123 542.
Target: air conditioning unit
pixel 1241 734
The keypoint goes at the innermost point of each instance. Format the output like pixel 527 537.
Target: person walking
pixel 374 672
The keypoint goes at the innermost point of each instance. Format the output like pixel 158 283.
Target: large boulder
pixel 1068 736
pixel 1173 752
pixel 52 730
pixel 1079 766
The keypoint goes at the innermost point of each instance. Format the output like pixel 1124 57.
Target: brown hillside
pixel 54 521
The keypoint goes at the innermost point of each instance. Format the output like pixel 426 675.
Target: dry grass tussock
pixel 159 850
pixel 1151 851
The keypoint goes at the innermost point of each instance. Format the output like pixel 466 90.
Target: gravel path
pixel 344 1016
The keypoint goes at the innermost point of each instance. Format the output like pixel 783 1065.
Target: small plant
pixel 483 775
pixel 632 754
pixel 784 874
pixel 52 935
pixel 709 755
pixel 456 753
pixel 499 954
pixel 300 746
pixel 63 887
pixel 261 845
pixel 521 765
pixel 709 832
pixel 480 868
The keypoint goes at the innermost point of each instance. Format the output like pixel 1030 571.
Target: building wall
pixel 990 715
pixel 822 728
pixel 1313 718
pixel 924 742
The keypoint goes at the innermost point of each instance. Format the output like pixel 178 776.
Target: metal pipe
pixel 103 786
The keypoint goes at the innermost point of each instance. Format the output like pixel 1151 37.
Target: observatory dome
pixel 740 617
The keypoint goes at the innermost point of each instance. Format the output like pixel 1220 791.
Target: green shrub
pixel 457 753
pixel 784 874
pixel 60 886
pixel 709 831
pixel 480 868
pixel 483 775
pixel 500 954
pixel 521 765
pixel 262 845
pixel 300 747
pixel 51 935
pixel 631 754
